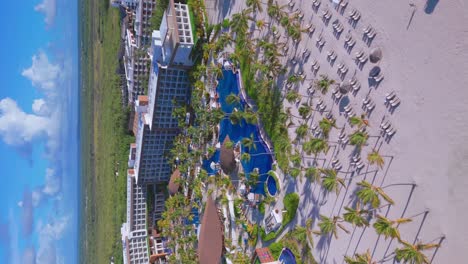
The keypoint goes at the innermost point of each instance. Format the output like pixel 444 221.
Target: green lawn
pixel 104 142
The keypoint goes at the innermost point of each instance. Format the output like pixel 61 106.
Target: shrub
pixel 291 202
pixel 275 249
pixel 225 23
pixel 261 208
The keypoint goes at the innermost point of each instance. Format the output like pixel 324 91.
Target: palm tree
pixel 364 258
pixel 232 99
pixel 331 181
pixel 250 117
pixel 358 138
pixel 330 225
pixel 245 157
pixel 249 142
pixel 356 216
pixel 260 24
pixel 326 125
pixel 274 10
pixel 389 228
pixel 292 96
pixel 304 110
pixel 324 83
pixel 236 117
pixel 299 233
pixel 301 131
pixel 375 158
pixel 410 253
pixel 256 5
pixel 370 194
pixel 315 145
pixel 359 121
pixel 239 21
pixel 313 173
pixel 294 31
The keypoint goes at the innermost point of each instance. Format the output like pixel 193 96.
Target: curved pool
pixel 260 156
pixel 287 257
pixel 271 185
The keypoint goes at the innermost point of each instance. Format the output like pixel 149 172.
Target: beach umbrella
pixel 344 87
pixel 374 71
pixel 375 55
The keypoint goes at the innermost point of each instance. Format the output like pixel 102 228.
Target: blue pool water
pixel 287 257
pixel 260 156
pixel 271 185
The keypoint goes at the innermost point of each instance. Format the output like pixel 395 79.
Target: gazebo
pixel 226 158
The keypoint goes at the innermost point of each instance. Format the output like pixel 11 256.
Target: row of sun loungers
pixel 326 15
pixel 355 84
pixel 349 112
pixel 357 162
pixel 315 66
pixel 336 164
pixel 369 32
pixel 331 55
pixel 368 104
pixel 320 41
pixel 342 68
pixel 349 41
pixel 338 27
pixel 354 15
pixel 316 3
pixel 387 129
pixel 392 100
pixel 321 105
pixel 361 57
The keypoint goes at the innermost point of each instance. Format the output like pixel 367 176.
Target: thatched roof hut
pixel 226 158
pixel 173 186
pixel 211 239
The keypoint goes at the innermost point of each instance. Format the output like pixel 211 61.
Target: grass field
pixel 105 143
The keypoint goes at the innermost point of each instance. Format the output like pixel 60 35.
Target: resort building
pixel 168 87
pixel 142 25
pixel 136 63
pixel 211 235
pixel 130 4
pixel 273 221
pixel 263 256
pixel 133 231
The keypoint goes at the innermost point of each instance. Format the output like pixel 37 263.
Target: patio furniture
pixel 395 102
pixel 379 77
pixel 390 95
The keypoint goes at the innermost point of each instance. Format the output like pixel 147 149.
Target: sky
pixel 39 132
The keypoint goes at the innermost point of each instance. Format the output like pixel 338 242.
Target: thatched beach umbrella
pixel 375 55
pixel 226 157
pixel 344 87
pixel 211 238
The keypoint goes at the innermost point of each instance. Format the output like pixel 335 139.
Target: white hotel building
pixel 168 83
pixel 134 231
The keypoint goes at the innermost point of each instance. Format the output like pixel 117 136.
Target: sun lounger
pixel 316 67
pixel 356 87
pixel 395 102
pixel 322 107
pixel 367 29
pixel 359 165
pixel 386 125
pixel 335 90
pixel 371 34
pixel 348 38
pixel 343 4
pixel 339 29
pixel 340 65
pixel 366 101
pixel 391 132
pixel 390 95
pixel 338 166
pixel 316 4
pixel 334 161
pixel 363 59
pixel 379 77
pixel 314 126
pixel 370 106
pixel 352 13
pixel 338 96
pixel 356 16
pixel 359 54
pixel 344 69
pixel 311 30
pixel 333 56
pixel 347 107
pixel 353 80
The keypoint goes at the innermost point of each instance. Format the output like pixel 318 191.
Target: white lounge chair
pixel 390 95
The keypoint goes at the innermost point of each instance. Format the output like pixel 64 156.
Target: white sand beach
pixel 424 61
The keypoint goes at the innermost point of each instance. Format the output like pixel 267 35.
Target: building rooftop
pixel 173 185
pixel 264 255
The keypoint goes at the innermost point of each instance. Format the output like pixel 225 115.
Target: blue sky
pixel 38 132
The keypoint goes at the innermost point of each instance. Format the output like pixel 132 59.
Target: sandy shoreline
pixel 425 63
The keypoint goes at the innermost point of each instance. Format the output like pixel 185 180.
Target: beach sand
pixel 425 62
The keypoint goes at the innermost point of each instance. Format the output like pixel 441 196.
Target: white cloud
pixel 42 73
pixel 20 129
pixel 40 107
pixel 52 182
pixel 48 8
pixel 49 234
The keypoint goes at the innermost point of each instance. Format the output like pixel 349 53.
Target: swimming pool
pixel 287 257
pixel 271 185
pixel 260 156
